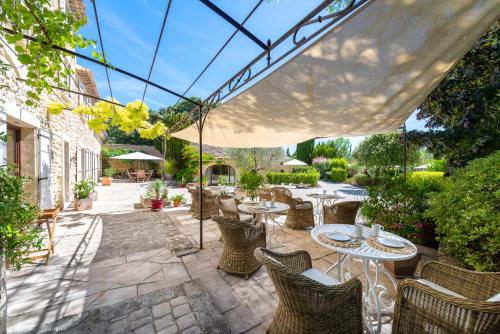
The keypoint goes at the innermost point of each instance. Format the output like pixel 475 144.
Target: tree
pixel 384 151
pixel 337 148
pixel 51 26
pixel 461 114
pixel 255 159
pixel 18 234
pixel 304 151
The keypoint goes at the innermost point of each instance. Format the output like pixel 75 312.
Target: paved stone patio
pixel 114 254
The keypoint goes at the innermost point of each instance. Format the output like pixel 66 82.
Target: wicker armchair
pixel 301 213
pixel 266 194
pixel 422 309
pixel 306 305
pixel 229 212
pixel 341 213
pixel 210 207
pixel 240 240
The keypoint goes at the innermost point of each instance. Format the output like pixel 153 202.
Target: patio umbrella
pixel 294 162
pixel 136 156
pixel 366 75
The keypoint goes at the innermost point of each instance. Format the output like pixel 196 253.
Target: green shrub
pixel 400 206
pixel 250 182
pixel 437 166
pixel 338 163
pixel 304 169
pixel 83 188
pixel 311 178
pixel 362 180
pixel 338 174
pixel 467 214
pixel 109 172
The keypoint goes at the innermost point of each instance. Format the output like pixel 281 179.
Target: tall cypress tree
pixel 304 151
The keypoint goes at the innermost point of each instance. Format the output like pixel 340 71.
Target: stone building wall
pixel 66 129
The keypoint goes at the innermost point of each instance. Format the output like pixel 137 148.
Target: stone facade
pixel 55 151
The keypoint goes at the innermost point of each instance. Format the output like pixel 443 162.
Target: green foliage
pixel 177 198
pixel 437 166
pixel 18 234
pixel 304 169
pixel 400 206
pixel 338 174
pixel 467 214
pixel 304 151
pixel 84 188
pixel 190 155
pixel 107 153
pixel 170 166
pixel 382 151
pixel 311 178
pixel 222 180
pixel 338 163
pixel 255 159
pixel 363 180
pixel 109 172
pixel 157 190
pixel 251 182
pixel 44 65
pixel 337 148
pixel 461 114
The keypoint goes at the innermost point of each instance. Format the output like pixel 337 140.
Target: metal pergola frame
pixel 243 77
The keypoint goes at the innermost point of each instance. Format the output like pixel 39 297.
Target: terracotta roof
pixel 217 152
pixel 87 78
pixel 77 8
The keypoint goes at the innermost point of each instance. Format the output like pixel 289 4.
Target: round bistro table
pixel 278 208
pixel 320 202
pixel 375 305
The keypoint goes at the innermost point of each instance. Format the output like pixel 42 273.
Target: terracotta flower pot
pixel 106 181
pixel 177 203
pixel 157 204
pixel 82 204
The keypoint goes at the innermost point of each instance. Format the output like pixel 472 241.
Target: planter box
pixel 403 269
pixel 93 196
pixel 82 204
pixel 145 202
pixel 106 181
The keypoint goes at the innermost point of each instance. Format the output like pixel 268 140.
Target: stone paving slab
pixel 185 308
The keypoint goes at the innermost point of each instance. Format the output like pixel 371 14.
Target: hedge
pixel 311 178
pixel 338 163
pixel 338 174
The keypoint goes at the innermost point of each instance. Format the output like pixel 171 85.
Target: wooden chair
pixel 141 175
pixel 210 207
pixel 341 213
pixel 241 238
pixel 148 175
pixel 49 218
pixel 130 176
pixel 309 300
pixel 447 300
pixel 301 213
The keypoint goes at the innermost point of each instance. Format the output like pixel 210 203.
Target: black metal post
pixel 405 151
pixel 200 173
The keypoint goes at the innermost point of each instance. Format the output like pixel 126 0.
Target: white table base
pixel 377 310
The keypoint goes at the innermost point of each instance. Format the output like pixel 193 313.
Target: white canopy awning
pixel 295 162
pixel 136 156
pixel 365 76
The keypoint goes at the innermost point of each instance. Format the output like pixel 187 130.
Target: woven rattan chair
pixel 301 213
pixel 241 238
pixel 306 305
pixel 266 194
pixel 421 308
pixel 210 207
pixel 231 212
pixel 341 213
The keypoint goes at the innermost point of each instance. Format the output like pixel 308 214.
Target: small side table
pixel 49 218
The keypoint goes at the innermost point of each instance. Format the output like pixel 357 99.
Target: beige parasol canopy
pixel 365 76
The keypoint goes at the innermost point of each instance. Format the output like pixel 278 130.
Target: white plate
pixel 390 242
pixel 337 236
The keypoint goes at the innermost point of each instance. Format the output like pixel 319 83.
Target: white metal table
pixel 320 202
pixel 278 208
pixel 376 304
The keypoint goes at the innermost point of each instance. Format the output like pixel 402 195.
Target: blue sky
pixel 193 34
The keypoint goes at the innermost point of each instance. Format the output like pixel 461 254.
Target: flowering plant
pixel 400 205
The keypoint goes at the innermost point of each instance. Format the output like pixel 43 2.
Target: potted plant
pixel 93 194
pixel 251 181
pixel 82 190
pixel 177 200
pixel 399 206
pixel 107 179
pixel 158 189
pixel 169 169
